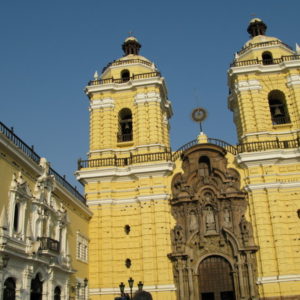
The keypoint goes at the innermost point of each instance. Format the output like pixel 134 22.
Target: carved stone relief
pixel 209 208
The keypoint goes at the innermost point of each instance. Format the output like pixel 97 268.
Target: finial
pixel 96 76
pixel 256 27
pixel 236 56
pixel 297 48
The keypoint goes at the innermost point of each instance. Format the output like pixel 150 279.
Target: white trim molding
pixel 142 98
pixel 293 80
pixel 102 103
pixel 273 185
pixel 248 85
pixel 131 171
pixel 129 85
pixel 277 279
pixel 267 157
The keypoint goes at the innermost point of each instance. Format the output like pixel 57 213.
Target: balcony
pixel 273 61
pixel 124 80
pixel 125 161
pixel 281 120
pixel 262 45
pixel 127 62
pixel 125 137
pixel 48 244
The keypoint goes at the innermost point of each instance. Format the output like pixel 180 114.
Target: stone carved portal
pixel 213 252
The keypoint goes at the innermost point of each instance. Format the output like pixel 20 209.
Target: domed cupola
pixel 131 46
pixel 256 27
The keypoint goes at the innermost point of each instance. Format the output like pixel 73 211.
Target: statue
pixel 193 221
pixel 210 219
pixel 227 219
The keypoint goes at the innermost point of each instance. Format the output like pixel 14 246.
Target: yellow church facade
pixel 176 220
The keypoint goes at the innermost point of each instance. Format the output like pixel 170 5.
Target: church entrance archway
pixel 215 279
pixel 9 291
pixel 36 290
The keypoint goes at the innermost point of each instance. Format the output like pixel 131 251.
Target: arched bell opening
pixel 36 289
pixel 278 108
pixel 125 125
pixel 216 280
pixel 125 75
pixel 9 289
pixel 267 58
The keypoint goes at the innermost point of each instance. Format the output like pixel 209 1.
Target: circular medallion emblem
pixel 199 114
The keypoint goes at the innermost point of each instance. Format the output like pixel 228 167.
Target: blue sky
pixel 51 49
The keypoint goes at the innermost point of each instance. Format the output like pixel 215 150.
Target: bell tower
pixel 126 177
pixel 129 107
pixel 264 85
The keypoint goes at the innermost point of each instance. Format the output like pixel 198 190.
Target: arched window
pixel 36 289
pixel 9 291
pixel 267 58
pixel 125 75
pixel 125 125
pixel 16 217
pixel 57 293
pixel 278 109
pixel 204 166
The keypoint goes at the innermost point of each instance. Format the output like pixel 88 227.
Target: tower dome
pixel 131 46
pixel 256 27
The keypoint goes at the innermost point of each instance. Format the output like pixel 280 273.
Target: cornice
pixel 126 85
pixel 269 157
pixel 37 170
pixel 130 172
pixel 259 68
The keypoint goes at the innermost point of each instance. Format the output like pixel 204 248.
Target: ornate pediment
pixel 19 186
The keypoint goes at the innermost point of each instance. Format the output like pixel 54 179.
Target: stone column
pixel 27 277
pixel 241 279
pixel 196 287
pixel 250 276
pixel 180 277
pixel 190 278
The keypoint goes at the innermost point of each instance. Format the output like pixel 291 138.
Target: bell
pixel 127 126
pixel 277 112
